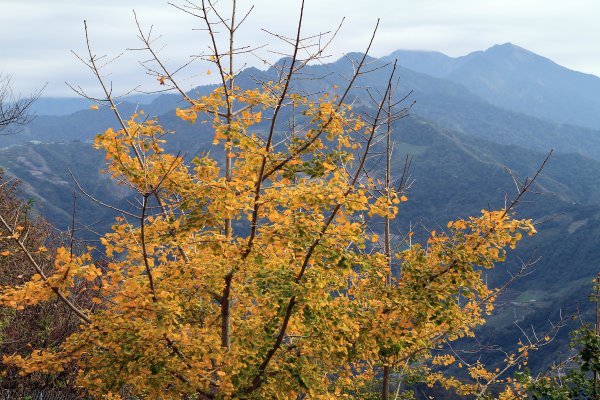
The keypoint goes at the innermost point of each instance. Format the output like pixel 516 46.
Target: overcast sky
pixel 37 36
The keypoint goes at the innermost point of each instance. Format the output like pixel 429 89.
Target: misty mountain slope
pixel 516 79
pixel 456 176
pixel 508 127
pixel 43 170
pixel 446 103
pixel 81 125
pixel 460 174
pixel 58 106
pixel 452 106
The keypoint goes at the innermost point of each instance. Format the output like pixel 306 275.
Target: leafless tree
pixel 15 110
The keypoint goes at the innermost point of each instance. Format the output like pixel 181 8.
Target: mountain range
pixel 478 121
pixel 516 79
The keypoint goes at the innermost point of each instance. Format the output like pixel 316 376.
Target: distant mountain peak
pixel 511 49
pixel 507 45
pixel 355 57
pixel 409 51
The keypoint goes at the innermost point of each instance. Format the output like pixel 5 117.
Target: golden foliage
pixel 307 304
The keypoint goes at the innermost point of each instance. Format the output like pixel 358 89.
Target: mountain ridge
pixel 516 79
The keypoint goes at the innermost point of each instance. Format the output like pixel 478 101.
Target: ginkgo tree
pixel 254 275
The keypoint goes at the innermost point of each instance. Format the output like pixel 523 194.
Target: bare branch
pixel 14 109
